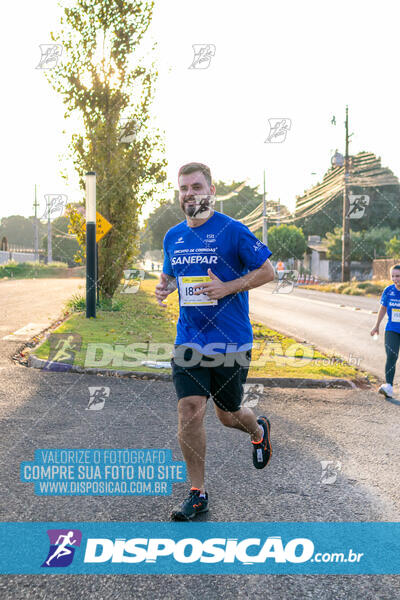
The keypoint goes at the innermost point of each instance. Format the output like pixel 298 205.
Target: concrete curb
pixel 270 382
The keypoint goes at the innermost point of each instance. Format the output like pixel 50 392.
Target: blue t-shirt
pixel 230 250
pixel 391 299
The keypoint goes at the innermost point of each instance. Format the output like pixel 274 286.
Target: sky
pixel 302 61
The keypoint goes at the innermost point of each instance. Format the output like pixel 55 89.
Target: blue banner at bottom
pixel 200 548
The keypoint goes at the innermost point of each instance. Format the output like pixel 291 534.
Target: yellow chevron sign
pixel 102 226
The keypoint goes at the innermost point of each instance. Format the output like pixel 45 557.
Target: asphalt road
pixel 30 305
pixel 335 323
pixel 358 430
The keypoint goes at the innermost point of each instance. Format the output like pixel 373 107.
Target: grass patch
pixel 352 288
pixel 141 320
pixel 34 270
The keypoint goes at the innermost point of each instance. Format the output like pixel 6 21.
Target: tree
pixel 286 241
pixel 64 247
pixel 170 213
pixel 393 248
pixel 19 230
pixel 240 204
pixel 97 82
pixel 157 224
pixel 365 245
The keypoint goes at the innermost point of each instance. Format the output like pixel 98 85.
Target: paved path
pixel 358 429
pixel 335 323
pixel 29 306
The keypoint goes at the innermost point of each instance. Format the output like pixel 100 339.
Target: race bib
pixel 396 315
pixel 187 295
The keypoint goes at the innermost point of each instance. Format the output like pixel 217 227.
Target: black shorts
pixel 196 374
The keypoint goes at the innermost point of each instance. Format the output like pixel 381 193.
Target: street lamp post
pixel 90 244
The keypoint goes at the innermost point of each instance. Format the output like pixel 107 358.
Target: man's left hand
pixel 214 289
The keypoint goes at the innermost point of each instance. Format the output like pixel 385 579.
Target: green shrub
pixel 77 303
pixel 371 288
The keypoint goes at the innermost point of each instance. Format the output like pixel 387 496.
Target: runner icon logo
pixel 203 54
pixel 98 397
pixel 63 347
pixel 50 53
pixel 63 543
pixel 358 205
pixel 330 471
pixel 286 281
pixel 132 280
pixel 252 394
pixel 278 130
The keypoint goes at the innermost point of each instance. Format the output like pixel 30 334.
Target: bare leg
pixel 243 419
pixel 192 437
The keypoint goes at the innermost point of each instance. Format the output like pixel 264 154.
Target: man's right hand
pixel 163 289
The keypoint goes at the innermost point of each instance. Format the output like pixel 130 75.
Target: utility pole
pixel 36 230
pixel 265 226
pixel 49 240
pixel 346 206
pixel 221 206
pixel 279 213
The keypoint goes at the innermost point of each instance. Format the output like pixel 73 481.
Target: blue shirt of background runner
pixel 230 250
pixel 391 299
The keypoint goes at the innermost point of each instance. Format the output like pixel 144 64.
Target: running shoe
pixel 262 450
pixel 387 390
pixel 192 506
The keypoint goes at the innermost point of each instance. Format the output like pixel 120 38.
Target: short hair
pixel 394 267
pixel 196 166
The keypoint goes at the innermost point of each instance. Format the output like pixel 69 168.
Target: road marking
pixel 328 304
pixel 26 332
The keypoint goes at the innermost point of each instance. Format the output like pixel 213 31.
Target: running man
pixel 62 549
pixel 213 260
pixel 390 302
